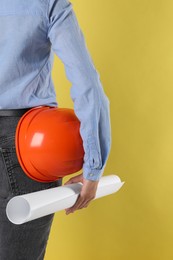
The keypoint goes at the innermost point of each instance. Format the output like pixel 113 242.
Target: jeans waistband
pixel 13 112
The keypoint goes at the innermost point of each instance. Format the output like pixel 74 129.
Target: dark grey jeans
pixel 27 241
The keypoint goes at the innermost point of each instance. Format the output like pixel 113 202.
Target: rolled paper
pixel 24 208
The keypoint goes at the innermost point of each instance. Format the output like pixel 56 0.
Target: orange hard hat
pixel 48 143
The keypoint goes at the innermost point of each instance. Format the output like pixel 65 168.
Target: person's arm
pixel 91 105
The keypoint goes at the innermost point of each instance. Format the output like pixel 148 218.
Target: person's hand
pixel 87 193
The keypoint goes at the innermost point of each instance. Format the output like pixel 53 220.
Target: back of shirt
pixel 25 55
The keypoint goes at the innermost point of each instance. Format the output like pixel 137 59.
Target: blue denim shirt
pixel 30 33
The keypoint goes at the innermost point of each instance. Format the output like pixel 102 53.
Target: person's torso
pixel 26 57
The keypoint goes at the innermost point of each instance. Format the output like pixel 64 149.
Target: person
pixel 31 33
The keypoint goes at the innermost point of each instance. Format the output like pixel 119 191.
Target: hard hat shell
pixel 48 143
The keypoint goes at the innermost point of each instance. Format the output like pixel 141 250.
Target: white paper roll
pixel 24 208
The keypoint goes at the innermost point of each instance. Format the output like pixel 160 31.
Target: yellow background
pixel 131 43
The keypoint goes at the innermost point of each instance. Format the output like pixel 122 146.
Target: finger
pixel 68 182
pixel 76 205
pixel 71 180
pixel 85 204
pixel 74 179
pixel 82 204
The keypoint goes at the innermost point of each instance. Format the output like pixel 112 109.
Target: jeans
pixel 26 241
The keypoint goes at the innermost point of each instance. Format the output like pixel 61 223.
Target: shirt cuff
pixel 92 174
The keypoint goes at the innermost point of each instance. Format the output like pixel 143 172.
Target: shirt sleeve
pixel 91 104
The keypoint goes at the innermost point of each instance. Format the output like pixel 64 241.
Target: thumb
pixel 68 182
pixel 74 179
